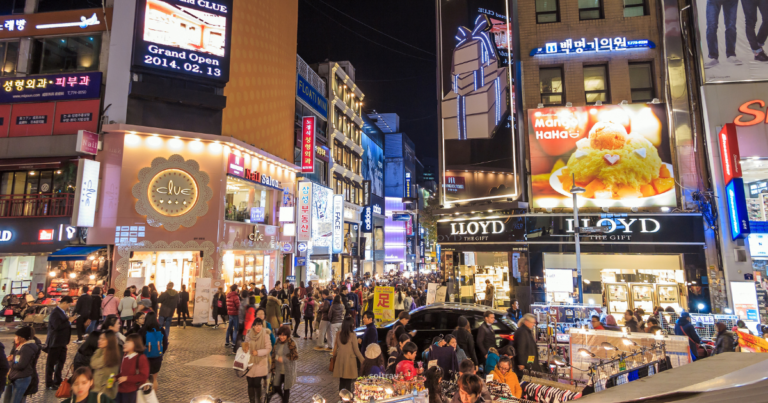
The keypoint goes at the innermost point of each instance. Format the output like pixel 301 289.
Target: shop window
pixel 596 84
pixel 590 9
pixel 8 7
pixel 248 202
pixel 9 56
pixel 37 193
pixel 547 11
pixel 641 82
pixel 635 8
pixel 551 86
pixel 339 185
pixel 72 53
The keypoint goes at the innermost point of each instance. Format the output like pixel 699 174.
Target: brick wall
pixel 533 35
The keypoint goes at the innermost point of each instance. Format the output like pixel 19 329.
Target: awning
pixel 73 253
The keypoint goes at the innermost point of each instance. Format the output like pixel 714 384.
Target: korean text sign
pixel 305 212
pixel 308 144
pixel 53 87
pixel 384 304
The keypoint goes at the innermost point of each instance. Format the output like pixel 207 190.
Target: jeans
pixel 92 327
pixel 165 321
pixel 232 328
pixel 750 7
pixel 325 326
pixel 334 330
pixel 14 393
pixel 54 363
pixel 308 327
pixel 729 8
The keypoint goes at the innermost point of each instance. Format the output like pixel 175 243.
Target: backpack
pixel 154 343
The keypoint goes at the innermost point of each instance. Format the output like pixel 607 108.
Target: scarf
pixel 258 342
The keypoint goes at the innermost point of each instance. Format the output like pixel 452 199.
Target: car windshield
pixel 512 325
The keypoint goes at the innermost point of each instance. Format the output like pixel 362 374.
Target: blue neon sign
pixel 737 208
pixel 595 45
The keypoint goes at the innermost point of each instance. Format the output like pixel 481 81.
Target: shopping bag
pixel 146 396
pixel 242 359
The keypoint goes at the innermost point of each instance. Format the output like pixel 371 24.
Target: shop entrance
pixel 160 268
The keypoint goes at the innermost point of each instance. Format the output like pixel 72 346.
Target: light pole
pixel 575 190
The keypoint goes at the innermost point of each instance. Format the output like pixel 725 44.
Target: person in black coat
pixel 525 346
pixel 296 311
pixel 486 338
pixel 59 333
pixel 630 321
pixel 683 327
pixel 183 307
pixel 86 350
pixel 4 368
pixel 83 309
pixel 464 339
pixel 95 315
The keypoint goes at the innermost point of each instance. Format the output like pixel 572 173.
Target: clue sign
pixel 55 87
pixel 184 37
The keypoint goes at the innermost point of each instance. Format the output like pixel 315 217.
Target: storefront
pixel 636 261
pixel 186 207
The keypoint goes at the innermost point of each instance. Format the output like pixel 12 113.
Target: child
pixel 491 360
pixel 134 371
pixel 405 367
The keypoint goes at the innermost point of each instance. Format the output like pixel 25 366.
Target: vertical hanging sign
pixel 308 144
pixel 304 233
pixel 729 152
pixel 85 197
pixel 338 223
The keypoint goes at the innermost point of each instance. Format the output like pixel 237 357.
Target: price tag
pixel 431 364
pixel 488 378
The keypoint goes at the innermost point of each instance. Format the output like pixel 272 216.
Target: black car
pixel 442 318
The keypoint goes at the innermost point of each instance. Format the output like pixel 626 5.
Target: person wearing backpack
pixel 155 344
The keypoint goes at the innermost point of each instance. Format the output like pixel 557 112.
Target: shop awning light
pixel 586 353
pixel 628 342
pixel 608 346
pixel 52 274
pixel 587 281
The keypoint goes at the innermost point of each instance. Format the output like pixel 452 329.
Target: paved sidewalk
pixel 197 363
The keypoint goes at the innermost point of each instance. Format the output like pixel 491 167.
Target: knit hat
pixel 463 322
pixel 24 332
pixel 372 351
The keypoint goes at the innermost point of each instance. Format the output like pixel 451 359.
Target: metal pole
pixel 578 247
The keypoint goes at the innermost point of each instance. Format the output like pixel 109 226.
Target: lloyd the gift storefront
pixel 631 261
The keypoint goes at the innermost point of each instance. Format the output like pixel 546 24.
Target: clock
pixel 172 192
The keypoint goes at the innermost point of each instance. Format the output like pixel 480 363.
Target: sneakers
pixel 734 60
pixel 711 63
pixel 761 57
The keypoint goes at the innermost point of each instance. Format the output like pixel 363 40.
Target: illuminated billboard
pixel 186 37
pixel 322 216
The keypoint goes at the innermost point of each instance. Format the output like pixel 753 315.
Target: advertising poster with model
pixel 619 153
pixel 732 36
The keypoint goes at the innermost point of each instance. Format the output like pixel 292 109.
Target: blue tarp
pixel 73 253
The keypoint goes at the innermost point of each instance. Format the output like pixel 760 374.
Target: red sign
pixel 409 226
pixel 32 119
pixel 87 142
pixel 454 184
pixel 758 116
pixel 308 144
pixel 236 166
pixel 729 152
pixel 73 116
pixel 45 235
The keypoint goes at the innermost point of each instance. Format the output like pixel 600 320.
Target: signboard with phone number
pixel 54 87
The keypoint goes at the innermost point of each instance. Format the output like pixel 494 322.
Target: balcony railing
pixel 37 205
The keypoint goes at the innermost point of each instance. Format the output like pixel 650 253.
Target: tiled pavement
pixel 210 372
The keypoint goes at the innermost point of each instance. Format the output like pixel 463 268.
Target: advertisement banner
pixel 729 152
pixel 51 87
pixel 85 199
pixel 322 217
pixel 373 165
pixel 737 208
pixel 727 34
pixel 431 292
pixel 308 144
pixel 745 305
pixel 477 96
pixel 367 220
pixel 620 154
pixel 304 200
pixel 311 96
pixel 752 344
pixel 338 223
pixel 384 305
pixel 87 142
pixel 55 23
pixel 236 165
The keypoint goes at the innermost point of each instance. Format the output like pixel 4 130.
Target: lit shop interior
pixel 618 282
pixel 160 268
pixel 247 202
pixel 755 176
pixel 71 268
pixel 474 268
pixel 242 268
pixel 319 269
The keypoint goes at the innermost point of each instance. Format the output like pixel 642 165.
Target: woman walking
pixel 336 317
pixel 183 309
pixel 151 331
pixel 345 351
pixel 106 365
pixel 257 343
pixel 309 317
pixel 219 307
pixel 284 357
pixel 134 370
pixel 296 311
pixel 127 309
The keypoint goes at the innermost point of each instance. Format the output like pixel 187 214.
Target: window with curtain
pixel 547 11
pixel 596 84
pixel 590 9
pixel 641 82
pixel 551 86
pixel 635 8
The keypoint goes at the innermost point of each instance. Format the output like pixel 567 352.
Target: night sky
pixel 394 76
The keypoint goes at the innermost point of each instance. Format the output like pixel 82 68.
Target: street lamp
pixel 576 190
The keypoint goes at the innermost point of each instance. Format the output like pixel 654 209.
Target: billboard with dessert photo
pixel 620 154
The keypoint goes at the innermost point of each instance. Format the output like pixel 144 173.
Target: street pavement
pixel 197 363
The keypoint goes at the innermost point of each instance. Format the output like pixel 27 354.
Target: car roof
pixel 462 306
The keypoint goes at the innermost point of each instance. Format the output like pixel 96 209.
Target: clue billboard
pixel 476 89
pixel 184 37
pixel 619 153
pixel 373 165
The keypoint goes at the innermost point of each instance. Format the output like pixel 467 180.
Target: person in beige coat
pixel 345 350
pixel 273 311
pixel 258 343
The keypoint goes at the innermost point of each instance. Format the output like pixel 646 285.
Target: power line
pixel 366 38
pixel 383 33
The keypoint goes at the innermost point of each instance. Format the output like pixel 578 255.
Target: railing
pixel 37 205
pixel 303 68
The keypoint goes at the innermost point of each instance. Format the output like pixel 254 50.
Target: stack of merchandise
pixel 375 387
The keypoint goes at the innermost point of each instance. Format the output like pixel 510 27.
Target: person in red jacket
pixel 250 315
pixel 134 370
pixel 233 308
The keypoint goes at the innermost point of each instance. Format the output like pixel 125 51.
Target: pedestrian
pixel 445 355
pixel 182 310
pixel 156 344
pixel 137 323
pixel 273 310
pixel 396 353
pixel 596 323
pixel 491 360
pixel 146 298
pixel 5 367
pixel 432 379
pixel 296 311
pixel 23 362
pixel 741 326
pixel 257 343
pixel 370 336
pixel 611 324
pixel 345 350
pixel 219 307
pixel 652 326
pixel 630 322
pixel 83 313
pixel 725 341
pixel 112 324
pixel 683 327
pixel 336 317
pixel 374 361
pixel 400 301
pixel 461 355
pixel 134 370
pixel 249 316
pixel 59 334
pixel 95 316
pixel 260 314
pixel 525 345
pixel 309 317
pixel 470 389
pixel 514 313
pixel 86 350
pixel 83 388
pixel 486 338
pixel 233 309
pixel 408 301
pixel 105 364
pixel 325 324
pixel 405 367
pixel 153 296
pixel 134 291
pixel 170 301
pixel 127 309
pixel 284 358
pixel 110 304
pixel 241 313
pixel 489 293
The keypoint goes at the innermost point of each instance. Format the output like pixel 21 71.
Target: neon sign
pixel 51 87
pixel 308 144
pixel 83 23
pixel 596 45
pixel 737 208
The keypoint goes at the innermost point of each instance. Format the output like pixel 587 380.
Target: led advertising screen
pixel 187 37
pixel 478 144
pixel 373 165
pixel 620 154
pixel 322 216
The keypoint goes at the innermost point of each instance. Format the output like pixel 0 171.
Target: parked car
pixel 442 318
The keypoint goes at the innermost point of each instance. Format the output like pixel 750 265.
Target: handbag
pixel 144 396
pixel 701 352
pixel 65 389
pixel 333 356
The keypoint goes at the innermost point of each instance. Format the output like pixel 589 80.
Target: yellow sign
pixel 384 304
pixel 753 344
pixel 172 192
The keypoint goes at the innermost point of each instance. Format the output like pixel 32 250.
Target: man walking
pixel 756 40
pixel 169 301
pixel 729 8
pixel 233 310
pixel 486 338
pixel 325 322
pixel 59 333
pixel 83 313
